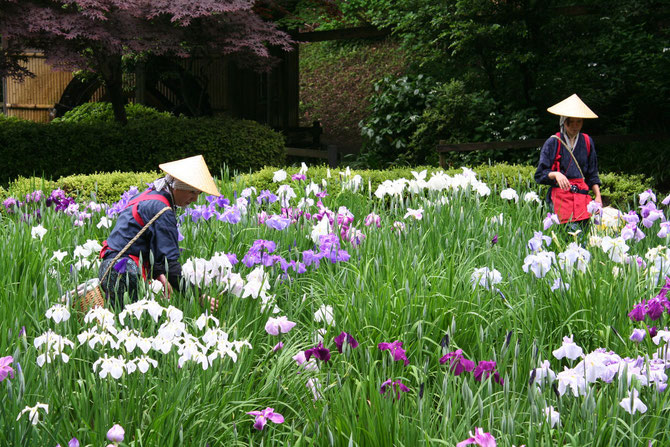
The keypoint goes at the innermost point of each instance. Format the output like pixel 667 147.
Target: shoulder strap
pixel 143 198
pixel 557 136
pixel 588 144
pixel 556 165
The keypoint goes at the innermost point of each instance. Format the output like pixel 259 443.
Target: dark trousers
pixel 117 284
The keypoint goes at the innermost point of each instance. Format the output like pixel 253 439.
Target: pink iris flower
pixel 266 415
pixel 480 438
pixel 280 324
pixel 5 369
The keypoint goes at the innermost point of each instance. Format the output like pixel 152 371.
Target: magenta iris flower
pixel 480 438
pixel 458 363
pixel 396 350
pixel 638 313
pixel 344 337
pixel 266 415
pixel 5 368
pixel 318 352
pixel 484 369
pixel 298 177
pixel 397 386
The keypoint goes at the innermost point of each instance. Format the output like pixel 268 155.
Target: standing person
pixel 569 165
pixel 155 253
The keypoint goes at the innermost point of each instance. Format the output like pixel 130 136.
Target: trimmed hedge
pixel 90 112
pixel 60 149
pixel 619 190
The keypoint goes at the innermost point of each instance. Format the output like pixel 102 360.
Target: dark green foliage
pixel 395 111
pixel 409 116
pixel 102 112
pixel 60 149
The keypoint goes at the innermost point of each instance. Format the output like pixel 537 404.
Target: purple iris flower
pixel 309 258
pixel 232 257
pixel 278 222
pixel 218 201
pixel 656 306
pixel 645 210
pixel 298 177
pixel 321 194
pixel 267 196
pixel 344 337
pixel 397 386
pixel 458 363
pixel 318 352
pixel 484 369
pixel 638 312
pixel 396 350
pixel 653 331
pixel 494 240
pixel 74 442
pixel 121 265
pixel 10 204
pixel 664 290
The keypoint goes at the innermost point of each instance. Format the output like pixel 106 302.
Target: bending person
pixel 569 165
pixel 154 254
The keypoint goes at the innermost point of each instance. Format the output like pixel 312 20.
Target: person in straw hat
pixel 155 253
pixel 569 165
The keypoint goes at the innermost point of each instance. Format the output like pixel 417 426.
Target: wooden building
pixel 190 87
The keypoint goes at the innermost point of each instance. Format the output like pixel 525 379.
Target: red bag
pixel 571 206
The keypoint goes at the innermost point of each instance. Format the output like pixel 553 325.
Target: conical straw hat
pixel 572 107
pixel 192 171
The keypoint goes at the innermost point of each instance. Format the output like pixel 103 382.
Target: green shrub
pixel 621 190
pixel 25 185
pixel 60 149
pixel 104 187
pixel 395 109
pixel 91 112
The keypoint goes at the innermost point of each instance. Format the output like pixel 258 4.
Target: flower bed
pixel 433 307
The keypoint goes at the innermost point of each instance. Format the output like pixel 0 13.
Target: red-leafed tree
pixel 95 34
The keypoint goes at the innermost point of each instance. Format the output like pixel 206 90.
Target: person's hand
pixel 561 180
pixel 599 200
pixel 213 302
pixel 167 288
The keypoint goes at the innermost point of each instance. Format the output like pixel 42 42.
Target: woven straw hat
pixel 192 171
pixel 572 107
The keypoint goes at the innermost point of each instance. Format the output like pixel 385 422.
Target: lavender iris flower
pixel 344 337
pixel 231 214
pixel 218 201
pixel 74 442
pixel 631 217
pixel 397 352
pixel 638 335
pixel 278 222
pixel 266 196
pixel 551 219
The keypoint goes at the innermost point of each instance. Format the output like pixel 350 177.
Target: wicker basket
pixel 94 297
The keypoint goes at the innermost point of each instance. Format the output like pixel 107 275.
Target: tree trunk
pixel 112 75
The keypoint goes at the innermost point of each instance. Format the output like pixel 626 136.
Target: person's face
pixel 573 126
pixel 184 198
